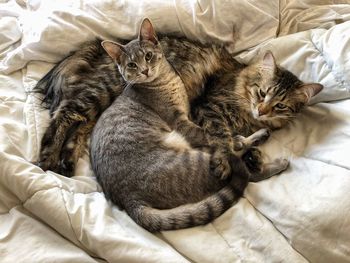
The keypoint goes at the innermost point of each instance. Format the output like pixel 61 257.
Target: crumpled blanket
pixel 299 216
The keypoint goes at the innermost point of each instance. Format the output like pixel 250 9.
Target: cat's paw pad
pixel 220 166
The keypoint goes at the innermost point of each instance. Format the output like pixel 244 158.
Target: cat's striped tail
pixel 184 216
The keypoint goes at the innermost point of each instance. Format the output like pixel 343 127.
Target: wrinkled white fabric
pixel 299 216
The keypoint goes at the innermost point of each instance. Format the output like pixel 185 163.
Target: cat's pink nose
pixel 262 110
pixel 145 72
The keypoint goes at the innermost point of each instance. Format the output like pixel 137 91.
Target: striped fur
pixel 184 216
pixel 80 87
pixel 240 100
pixel 161 186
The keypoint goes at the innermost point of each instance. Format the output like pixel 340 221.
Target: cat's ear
pixel 310 90
pixel 113 49
pixel 269 62
pixel 147 32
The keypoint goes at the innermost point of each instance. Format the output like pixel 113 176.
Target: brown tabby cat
pixel 147 155
pixel 239 100
pixel 79 88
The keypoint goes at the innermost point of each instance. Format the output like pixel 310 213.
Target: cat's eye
pixel 262 94
pixel 148 56
pixel 132 65
pixel 280 106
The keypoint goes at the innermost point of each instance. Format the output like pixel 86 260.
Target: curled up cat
pixel 151 159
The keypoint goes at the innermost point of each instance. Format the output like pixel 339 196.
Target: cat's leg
pixel 74 148
pixel 269 169
pixel 242 144
pixel 240 173
pixel 55 135
pixel 260 170
pixel 244 147
pixel 220 164
pixel 219 137
pixel 195 135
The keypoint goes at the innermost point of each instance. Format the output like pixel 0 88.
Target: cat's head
pixel 275 94
pixel 139 61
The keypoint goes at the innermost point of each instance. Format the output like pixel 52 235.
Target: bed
pixel 302 215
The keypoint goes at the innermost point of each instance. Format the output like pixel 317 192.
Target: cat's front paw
pixel 219 165
pixel 259 137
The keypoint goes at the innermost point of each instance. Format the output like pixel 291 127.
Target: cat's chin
pixel 141 80
pixel 148 79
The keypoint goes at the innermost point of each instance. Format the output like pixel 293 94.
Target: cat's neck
pixel 165 76
pixel 165 95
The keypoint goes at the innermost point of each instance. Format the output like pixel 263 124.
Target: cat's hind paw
pixel 219 165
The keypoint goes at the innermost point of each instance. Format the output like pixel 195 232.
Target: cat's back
pixel 126 127
pixel 125 141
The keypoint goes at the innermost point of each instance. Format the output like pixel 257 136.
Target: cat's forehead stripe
pixel 284 96
pixel 281 92
pixel 287 79
pixel 268 98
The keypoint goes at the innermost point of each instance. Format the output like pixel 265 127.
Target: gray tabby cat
pixel 149 158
